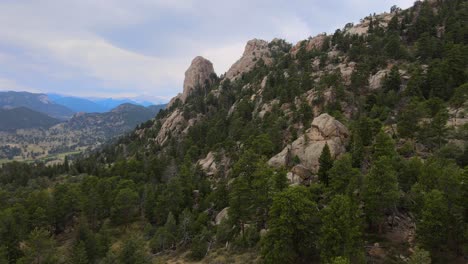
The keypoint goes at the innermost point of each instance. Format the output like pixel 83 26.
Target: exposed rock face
pixel 299 174
pixel 308 148
pixel 196 76
pixel 363 27
pixel 310 44
pixel 223 215
pixel 376 80
pixel 174 123
pixel 208 164
pixel 254 50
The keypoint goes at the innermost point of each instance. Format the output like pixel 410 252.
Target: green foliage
pixel 384 146
pixel 326 163
pixel 340 260
pixel 124 206
pixel 292 227
pixel 381 191
pixel 432 229
pixel 408 120
pixel 344 179
pixel 340 233
pixel 39 248
pixel 133 252
pixel 420 256
pixel 392 82
pixel 78 254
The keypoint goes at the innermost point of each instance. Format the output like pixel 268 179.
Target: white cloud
pixel 223 57
pixel 292 28
pixel 11 85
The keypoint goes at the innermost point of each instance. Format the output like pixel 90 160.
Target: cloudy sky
pixel 127 48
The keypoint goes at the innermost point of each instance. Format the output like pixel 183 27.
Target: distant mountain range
pixel 41 126
pixel 37 102
pixel 94 105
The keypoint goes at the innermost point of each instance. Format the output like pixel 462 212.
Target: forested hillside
pixel 342 148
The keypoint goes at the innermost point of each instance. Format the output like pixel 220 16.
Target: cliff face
pixel 197 76
pixel 254 50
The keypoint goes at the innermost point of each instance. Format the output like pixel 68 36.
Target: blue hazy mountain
pixel 35 101
pixel 94 105
pixel 78 104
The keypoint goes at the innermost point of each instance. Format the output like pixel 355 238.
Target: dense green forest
pixel 138 201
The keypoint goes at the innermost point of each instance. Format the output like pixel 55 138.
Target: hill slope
pixel 343 148
pixel 24 118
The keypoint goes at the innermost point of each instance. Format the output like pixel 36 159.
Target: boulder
pixel 196 76
pixel 223 215
pixel 325 129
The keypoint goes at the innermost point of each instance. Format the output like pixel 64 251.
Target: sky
pixel 141 48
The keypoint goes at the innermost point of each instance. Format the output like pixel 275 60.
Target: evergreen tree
pixel 344 179
pixel 380 191
pixel 384 146
pixel 78 254
pixel 340 233
pixel 133 252
pixel 433 226
pixel 125 206
pixel 392 82
pixel 39 248
pixel 240 203
pixel 292 226
pixel 459 98
pixel 408 120
pixel 326 163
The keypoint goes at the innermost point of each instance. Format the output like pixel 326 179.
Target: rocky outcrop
pixel 325 129
pixel 208 164
pixel 223 215
pixel 173 124
pixel 310 44
pixel 363 27
pixel 254 50
pixel 299 174
pixel 196 76
pixel 376 80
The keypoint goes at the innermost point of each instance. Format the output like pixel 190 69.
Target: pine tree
pixel 78 254
pixel 384 146
pixel 133 252
pixel 340 233
pixel 171 228
pixel 433 226
pixel 344 179
pixel 393 80
pixel 292 226
pixel 380 191
pixel 326 164
pixel 39 248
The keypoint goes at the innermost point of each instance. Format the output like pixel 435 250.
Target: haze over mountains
pixel 44 126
